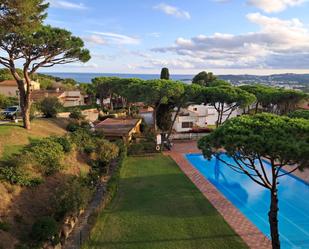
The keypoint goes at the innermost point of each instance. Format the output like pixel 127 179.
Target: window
pixel 195 109
pixel 186 124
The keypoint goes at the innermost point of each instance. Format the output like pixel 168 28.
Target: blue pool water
pixel 253 200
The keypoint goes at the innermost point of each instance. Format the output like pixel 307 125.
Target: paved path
pixel 242 226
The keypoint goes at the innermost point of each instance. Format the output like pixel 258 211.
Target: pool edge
pixel 249 233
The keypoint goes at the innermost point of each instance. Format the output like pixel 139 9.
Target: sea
pixel 87 77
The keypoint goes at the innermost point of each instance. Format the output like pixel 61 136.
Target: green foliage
pixel 64 141
pixel 14 170
pixel 280 138
pixel 4 226
pixel 44 229
pixel 50 107
pixel 73 196
pixel 84 139
pixel 165 74
pixel 164 116
pixel 142 148
pixel 203 78
pixel 72 126
pixel 76 114
pixel 299 114
pixel 105 151
pixel 47 154
pixel 7 101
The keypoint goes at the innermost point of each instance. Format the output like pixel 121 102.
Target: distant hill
pixel 288 78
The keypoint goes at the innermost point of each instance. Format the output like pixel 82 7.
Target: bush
pixel 50 107
pixel 71 197
pixel 299 114
pixel 142 148
pixel 7 101
pixel 84 139
pixel 47 153
pixel 15 172
pixel 64 142
pixel 4 226
pixel 103 117
pixel 44 229
pixel 72 127
pixel 76 114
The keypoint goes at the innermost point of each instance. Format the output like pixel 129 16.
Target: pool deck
pixel 241 225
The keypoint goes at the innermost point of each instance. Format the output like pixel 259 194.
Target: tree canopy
pixel 249 140
pixel 226 99
pixel 25 39
pixel 204 78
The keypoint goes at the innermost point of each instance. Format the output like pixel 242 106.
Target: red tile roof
pixel 8 83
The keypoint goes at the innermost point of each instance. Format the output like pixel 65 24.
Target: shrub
pixel 71 197
pixel 72 127
pixel 64 142
pixel 14 171
pixel 4 226
pixel 299 114
pixel 50 106
pixel 103 117
pixel 76 114
pixel 44 229
pixel 47 153
pixel 142 148
pixel 7 101
pixel 83 138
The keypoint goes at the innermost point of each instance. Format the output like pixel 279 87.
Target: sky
pixel 187 36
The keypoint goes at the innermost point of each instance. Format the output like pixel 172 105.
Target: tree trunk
pixel 111 102
pixel 155 118
pixel 173 122
pixel 273 219
pixel 256 107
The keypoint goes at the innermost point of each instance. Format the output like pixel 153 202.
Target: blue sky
pixel 224 36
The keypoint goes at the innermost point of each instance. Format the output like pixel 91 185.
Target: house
pixel 197 117
pixel 146 113
pixel 9 88
pixel 67 98
pixel 119 128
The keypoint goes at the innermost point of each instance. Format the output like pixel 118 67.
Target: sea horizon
pixel 87 77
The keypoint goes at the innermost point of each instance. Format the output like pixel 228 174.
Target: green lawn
pixel 157 207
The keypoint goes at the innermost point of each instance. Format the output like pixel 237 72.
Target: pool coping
pixel 249 233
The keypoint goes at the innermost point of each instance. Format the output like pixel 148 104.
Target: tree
pixel 154 93
pixel 105 88
pixel 25 39
pixel 299 114
pixel 287 100
pixel 165 74
pixel 248 140
pixel 226 99
pixel 203 78
pixel 50 106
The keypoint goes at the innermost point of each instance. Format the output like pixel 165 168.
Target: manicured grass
pixel 158 207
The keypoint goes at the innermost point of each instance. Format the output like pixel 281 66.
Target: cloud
pixel 116 38
pixel 96 39
pixel 154 34
pixel 271 6
pixel 172 11
pixel 66 5
pixel 278 44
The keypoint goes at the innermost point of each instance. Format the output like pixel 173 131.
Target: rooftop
pixel 8 83
pixel 117 125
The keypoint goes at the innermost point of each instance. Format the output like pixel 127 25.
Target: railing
pixel 188 136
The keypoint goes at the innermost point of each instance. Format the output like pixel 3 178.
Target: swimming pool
pixel 253 200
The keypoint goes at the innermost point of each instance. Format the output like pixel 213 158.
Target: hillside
pixel 21 206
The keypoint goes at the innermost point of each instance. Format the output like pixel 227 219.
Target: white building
pixel 197 117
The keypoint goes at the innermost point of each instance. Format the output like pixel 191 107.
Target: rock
pixel 66 230
pixel 58 246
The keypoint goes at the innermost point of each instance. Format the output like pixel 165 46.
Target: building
pixel 67 98
pixel 9 88
pixel 119 128
pixel 197 117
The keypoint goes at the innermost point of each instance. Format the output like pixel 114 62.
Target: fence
pixel 188 136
